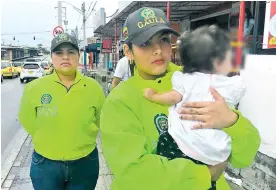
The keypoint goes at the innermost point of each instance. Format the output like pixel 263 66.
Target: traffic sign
pixel 57 30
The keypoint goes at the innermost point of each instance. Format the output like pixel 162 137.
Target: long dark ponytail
pixel 131 65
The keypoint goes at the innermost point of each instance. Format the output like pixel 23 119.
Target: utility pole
pixel 77 32
pixel 65 19
pixel 84 25
pixel 84 35
pixel 81 11
pixel 59 13
pixel 255 33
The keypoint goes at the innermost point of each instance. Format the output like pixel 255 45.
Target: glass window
pixel 31 60
pixel 31 66
pixel 44 65
pixel 5 65
pixel 17 64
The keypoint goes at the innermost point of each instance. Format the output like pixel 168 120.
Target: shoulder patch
pixel 46 99
pixel 161 122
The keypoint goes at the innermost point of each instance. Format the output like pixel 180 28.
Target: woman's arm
pixel 129 155
pixel 245 142
pixel 245 137
pixel 167 98
pixel 101 99
pixel 27 112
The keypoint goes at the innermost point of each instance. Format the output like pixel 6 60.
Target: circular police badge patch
pixel 148 13
pixel 46 99
pixel 161 122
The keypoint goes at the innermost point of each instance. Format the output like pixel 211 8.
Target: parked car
pixel 17 66
pixel 31 71
pixel 7 69
pixel 32 60
pixel 38 59
pixel 46 66
pixel 2 78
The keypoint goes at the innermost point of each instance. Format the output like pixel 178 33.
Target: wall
pixel 258 105
pixel 99 19
pixel 11 54
pixel 260 77
pixel 185 25
pixel 175 26
pixel 81 61
pixel 6 54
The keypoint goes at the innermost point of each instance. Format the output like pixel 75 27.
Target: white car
pixel 31 71
pixel 35 59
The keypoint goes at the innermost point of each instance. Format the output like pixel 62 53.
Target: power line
pixel 89 6
pixel 91 10
pixel 78 20
pixel 113 14
pixel 24 33
pixel 40 32
pixel 21 33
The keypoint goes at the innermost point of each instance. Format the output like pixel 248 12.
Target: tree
pixel 39 46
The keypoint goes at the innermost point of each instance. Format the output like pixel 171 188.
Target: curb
pixel 17 143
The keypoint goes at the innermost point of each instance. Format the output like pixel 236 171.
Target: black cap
pixel 142 24
pixel 64 38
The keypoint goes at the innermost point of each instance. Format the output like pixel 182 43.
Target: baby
pixel 206 56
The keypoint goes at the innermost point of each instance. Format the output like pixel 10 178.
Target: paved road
pixel 11 93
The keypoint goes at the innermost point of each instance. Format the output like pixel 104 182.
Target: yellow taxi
pixel 46 66
pixel 7 69
pixel 2 78
pixel 18 67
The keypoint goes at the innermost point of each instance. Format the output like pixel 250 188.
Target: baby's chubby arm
pixel 167 98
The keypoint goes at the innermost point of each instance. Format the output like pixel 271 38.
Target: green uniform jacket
pixel 130 127
pixel 62 122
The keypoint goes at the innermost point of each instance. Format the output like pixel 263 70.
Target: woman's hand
pixel 215 114
pixel 148 93
pixel 217 170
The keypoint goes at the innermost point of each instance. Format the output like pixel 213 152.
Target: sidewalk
pixel 18 177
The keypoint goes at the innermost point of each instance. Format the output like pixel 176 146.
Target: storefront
pixel 188 15
pixel 5 53
pixel 178 12
pixel 12 53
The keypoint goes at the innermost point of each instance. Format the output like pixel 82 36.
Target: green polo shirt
pixel 130 128
pixel 63 122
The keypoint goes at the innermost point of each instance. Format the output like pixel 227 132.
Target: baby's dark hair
pixel 200 47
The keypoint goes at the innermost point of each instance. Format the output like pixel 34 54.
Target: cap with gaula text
pixel 142 24
pixel 64 38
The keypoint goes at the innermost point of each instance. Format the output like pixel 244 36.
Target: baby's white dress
pixel 210 146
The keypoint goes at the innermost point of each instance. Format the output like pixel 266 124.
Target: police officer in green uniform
pixel 61 113
pixel 131 125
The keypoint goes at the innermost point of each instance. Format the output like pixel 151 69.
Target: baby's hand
pixel 148 93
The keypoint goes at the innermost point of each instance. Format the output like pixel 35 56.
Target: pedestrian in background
pixel 61 113
pixel 122 72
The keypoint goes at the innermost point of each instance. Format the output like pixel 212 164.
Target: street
pixel 11 93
